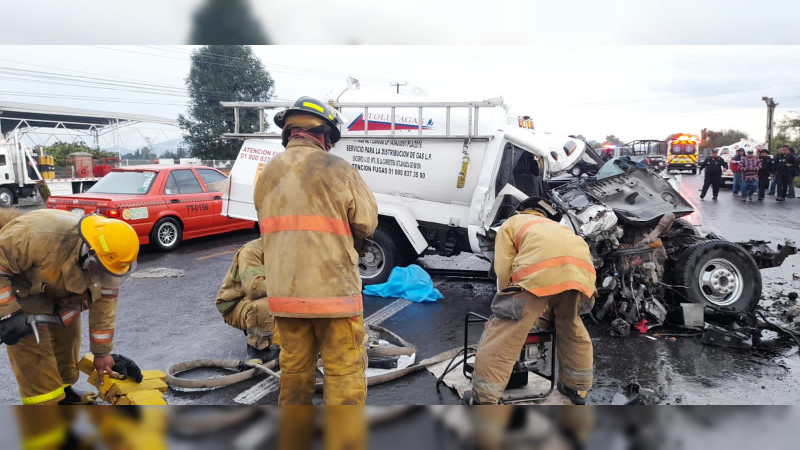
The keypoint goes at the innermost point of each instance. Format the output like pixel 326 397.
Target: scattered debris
pixel 627 395
pixel 158 272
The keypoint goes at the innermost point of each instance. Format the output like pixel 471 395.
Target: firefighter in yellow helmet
pixel 53 265
pixel 541 266
pixel 315 212
pixel 242 301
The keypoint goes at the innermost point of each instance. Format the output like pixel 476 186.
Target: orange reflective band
pixel 552 262
pixel 320 305
pixel 525 228
pixel 561 287
pixel 6 295
pixel 69 317
pixel 101 336
pixel 304 223
pixel 109 293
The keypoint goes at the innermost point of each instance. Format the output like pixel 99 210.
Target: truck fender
pixel 388 206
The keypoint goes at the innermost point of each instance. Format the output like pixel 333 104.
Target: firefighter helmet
pixel 314 107
pixel 112 242
pixel 541 205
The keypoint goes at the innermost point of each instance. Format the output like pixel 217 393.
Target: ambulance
pixel 444 174
pixel 682 153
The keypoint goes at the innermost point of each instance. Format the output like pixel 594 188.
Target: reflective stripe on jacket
pixel 39 269
pixel 542 256
pixel 314 210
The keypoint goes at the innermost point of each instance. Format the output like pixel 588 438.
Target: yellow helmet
pixel 113 242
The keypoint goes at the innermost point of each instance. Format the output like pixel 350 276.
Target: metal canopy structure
pixel 27 118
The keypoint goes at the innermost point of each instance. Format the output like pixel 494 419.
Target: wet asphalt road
pixel 162 321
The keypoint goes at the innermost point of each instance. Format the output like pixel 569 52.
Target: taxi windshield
pixel 124 182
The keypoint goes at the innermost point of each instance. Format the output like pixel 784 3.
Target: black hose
pixel 779 328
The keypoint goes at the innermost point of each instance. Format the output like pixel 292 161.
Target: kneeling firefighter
pixel 53 265
pixel 541 266
pixel 242 301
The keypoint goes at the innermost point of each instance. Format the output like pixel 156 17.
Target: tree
pixel 721 138
pixel 229 73
pixel 788 132
pixel 227 22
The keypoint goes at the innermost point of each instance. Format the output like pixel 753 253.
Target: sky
pixel 631 91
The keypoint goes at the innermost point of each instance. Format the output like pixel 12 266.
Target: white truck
pixel 729 151
pixel 443 174
pixel 19 175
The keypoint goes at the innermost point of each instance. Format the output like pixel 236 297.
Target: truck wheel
pixel 381 256
pixel 576 171
pixel 7 198
pixel 694 171
pixel 721 275
pixel 166 234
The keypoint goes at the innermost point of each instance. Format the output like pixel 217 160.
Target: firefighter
pixel 56 264
pixel 713 166
pixel 541 266
pixel 315 213
pixel 242 301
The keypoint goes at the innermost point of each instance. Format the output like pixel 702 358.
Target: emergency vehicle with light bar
pixel 444 174
pixel 682 153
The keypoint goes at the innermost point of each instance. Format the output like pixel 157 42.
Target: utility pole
pixel 398 84
pixel 770 113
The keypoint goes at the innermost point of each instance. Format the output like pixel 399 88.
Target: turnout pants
pixel 714 182
pixel 340 342
pixel 252 317
pixel 43 370
pixel 503 339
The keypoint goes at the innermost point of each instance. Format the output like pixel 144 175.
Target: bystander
pixel 764 173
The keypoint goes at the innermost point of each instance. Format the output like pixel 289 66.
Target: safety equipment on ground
pixel 314 107
pixel 576 397
pixel 113 243
pixel 256 356
pixel 542 205
pixel 126 368
pixel 14 327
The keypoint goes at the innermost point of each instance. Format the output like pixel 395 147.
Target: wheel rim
pixel 5 198
pixel 373 261
pixel 167 234
pixel 721 282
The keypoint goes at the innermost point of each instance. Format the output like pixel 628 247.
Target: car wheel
pixel 380 257
pixel 721 275
pixel 166 234
pixel 6 197
pixel 576 171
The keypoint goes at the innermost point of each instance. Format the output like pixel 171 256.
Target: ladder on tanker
pixel 470 133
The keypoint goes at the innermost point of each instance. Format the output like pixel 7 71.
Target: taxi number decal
pixel 135 213
pixel 197 208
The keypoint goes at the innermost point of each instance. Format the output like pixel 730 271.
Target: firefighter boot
pixel 576 397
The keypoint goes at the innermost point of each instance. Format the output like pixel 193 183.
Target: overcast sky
pixel 634 92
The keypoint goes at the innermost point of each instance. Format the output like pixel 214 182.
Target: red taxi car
pixel 164 204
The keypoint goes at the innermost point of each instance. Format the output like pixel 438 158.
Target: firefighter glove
pixel 14 327
pixel 127 368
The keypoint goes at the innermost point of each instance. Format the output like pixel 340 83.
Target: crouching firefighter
pixel 53 265
pixel 242 301
pixel 541 266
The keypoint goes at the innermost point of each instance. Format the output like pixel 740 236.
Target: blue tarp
pixel 409 283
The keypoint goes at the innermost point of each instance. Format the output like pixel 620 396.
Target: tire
pixel 166 234
pixel 721 275
pixel 694 171
pixel 7 198
pixel 576 171
pixel 382 255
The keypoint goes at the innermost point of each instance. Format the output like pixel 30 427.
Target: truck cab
pixel 17 166
pixel 444 174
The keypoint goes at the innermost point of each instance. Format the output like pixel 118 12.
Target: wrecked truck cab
pixel 648 260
